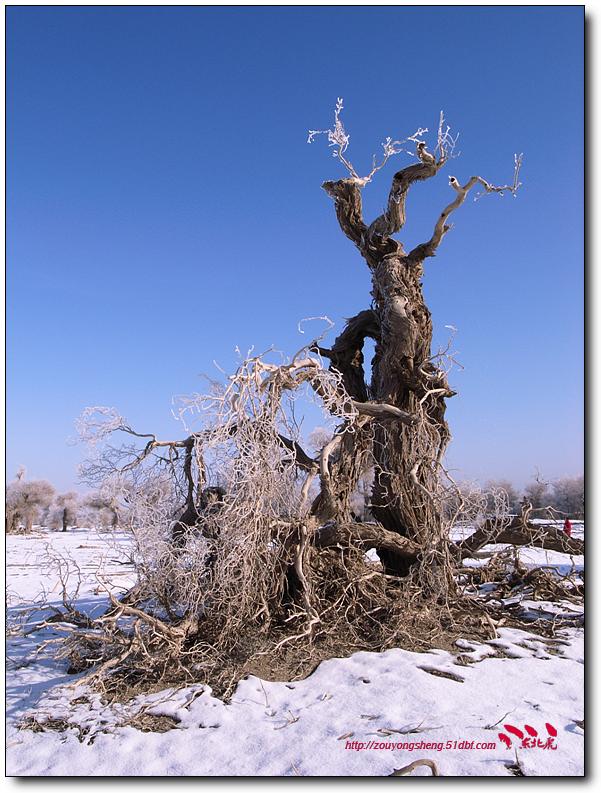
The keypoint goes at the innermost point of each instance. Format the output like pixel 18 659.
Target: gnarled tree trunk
pixel 407 451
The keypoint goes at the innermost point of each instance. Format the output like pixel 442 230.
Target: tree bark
pixel 407 458
pixel 366 535
pixel 406 455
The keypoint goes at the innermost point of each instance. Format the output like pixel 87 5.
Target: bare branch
pixel 339 138
pixel 393 219
pixel 347 192
pixel 383 410
pixel 429 248
pixel 407 769
pixel 300 456
pixel 366 535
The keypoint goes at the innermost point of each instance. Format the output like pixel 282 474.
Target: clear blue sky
pixel 164 207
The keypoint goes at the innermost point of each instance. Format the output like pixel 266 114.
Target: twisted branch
pixel 426 249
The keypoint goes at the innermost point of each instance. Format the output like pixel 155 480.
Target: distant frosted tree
pixel 104 508
pixel 12 502
pixel 64 511
pixel 537 493
pixel 568 494
pixel 319 437
pixel 25 501
pixel 12 512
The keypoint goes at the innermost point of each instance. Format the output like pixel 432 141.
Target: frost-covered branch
pixel 374 240
pixel 339 139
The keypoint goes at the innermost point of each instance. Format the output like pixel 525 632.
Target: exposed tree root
pixel 355 606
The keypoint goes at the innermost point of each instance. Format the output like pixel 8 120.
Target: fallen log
pixel 518 532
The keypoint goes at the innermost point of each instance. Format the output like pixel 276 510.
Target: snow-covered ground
pixel 361 716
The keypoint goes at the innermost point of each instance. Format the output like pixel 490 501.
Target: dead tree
pixel 392 422
pixel 25 501
pixel 409 433
pixel 244 533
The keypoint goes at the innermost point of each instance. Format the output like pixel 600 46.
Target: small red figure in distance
pixel 567 527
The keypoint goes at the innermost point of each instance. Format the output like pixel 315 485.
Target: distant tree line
pixel 32 502
pixel 36 501
pixel 565 495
